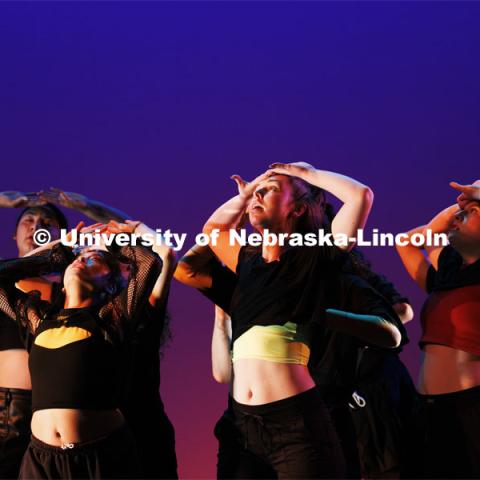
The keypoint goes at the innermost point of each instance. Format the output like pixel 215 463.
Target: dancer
pixel 280 292
pixel 449 381
pixel 200 269
pixel 78 356
pixel 15 385
pixel 155 437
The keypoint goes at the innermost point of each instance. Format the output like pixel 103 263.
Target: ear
pixel 299 210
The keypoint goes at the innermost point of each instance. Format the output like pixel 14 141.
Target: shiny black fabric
pixel 15 416
pixel 113 456
pixel 295 436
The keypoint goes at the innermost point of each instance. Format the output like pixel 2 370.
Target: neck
pixel 469 258
pixel 272 253
pixel 78 297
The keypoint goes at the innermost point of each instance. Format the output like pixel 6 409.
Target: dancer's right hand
pixel 247 189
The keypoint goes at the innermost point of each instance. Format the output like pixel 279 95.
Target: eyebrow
pixel 273 180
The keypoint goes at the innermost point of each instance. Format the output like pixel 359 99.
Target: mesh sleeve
pixel 123 311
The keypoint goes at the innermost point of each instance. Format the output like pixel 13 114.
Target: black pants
pixel 234 461
pixel 294 437
pixel 15 417
pixel 155 439
pixel 451 435
pixel 113 456
pixel 383 410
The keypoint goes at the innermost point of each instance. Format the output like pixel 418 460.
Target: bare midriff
pixel 61 426
pixel 14 371
pixel 257 382
pixel 445 370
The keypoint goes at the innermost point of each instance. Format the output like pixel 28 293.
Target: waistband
pixel 16 392
pixel 470 394
pixel 116 436
pixel 309 399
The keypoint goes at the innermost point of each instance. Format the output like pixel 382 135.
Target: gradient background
pixel 151 107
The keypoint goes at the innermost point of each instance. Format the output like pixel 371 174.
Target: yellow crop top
pixel 274 343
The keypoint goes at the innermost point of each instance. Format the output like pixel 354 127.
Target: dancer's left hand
pixel 469 193
pixel 296 169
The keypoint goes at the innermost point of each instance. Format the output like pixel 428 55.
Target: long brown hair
pixel 313 199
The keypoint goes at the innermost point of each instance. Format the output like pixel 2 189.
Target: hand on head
pixel 70 200
pixel 468 193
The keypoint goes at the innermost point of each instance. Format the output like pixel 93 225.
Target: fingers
pixel 279 165
pixel 80 225
pixel 457 186
pixel 238 180
pixel 95 227
pixel 20 202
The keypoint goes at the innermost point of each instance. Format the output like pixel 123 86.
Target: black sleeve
pixel 360 297
pixel 15 303
pixel 449 262
pixel 386 288
pixel 124 311
pixel 224 282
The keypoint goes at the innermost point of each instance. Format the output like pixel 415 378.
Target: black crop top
pixel 77 355
pixel 73 365
pixel 333 360
pixel 292 289
pixel 451 273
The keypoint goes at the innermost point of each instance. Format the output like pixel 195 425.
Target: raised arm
pixel 357 198
pixel 12 300
pixel 16 199
pixel 160 291
pixel 413 258
pixel 231 215
pixel 97 211
pixel 194 268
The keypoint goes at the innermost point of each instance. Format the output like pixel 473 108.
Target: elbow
pixel 182 272
pixel 366 195
pixel 208 228
pixel 221 376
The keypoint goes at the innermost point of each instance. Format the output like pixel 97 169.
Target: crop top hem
pixel 457 345
pixel 273 359
pixel 36 408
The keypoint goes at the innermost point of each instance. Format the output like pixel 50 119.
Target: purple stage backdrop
pixel 151 107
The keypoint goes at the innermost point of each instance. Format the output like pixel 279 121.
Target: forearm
pixel 102 213
pixel 40 262
pixel 160 291
pixel 344 188
pixel 371 329
pixel 193 269
pixel 357 201
pixel 229 215
pixel 440 223
pixel 221 357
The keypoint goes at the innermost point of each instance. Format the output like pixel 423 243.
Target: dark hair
pixel 116 280
pixel 50 209
pixel 313 198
